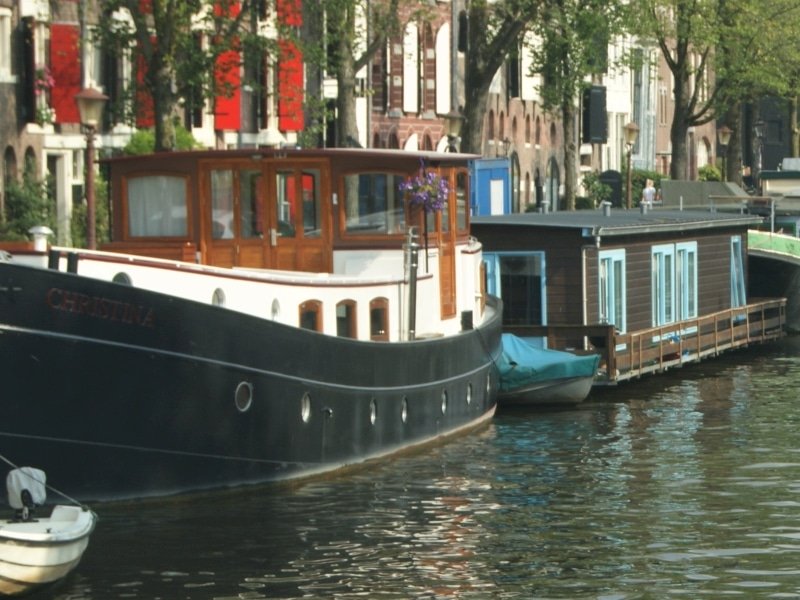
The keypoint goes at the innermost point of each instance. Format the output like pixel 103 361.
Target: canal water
pixel 685 485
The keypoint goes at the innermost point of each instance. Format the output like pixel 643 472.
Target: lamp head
pixel 631 133
pixel 90 106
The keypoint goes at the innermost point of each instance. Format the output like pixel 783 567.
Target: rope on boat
pixel 44 483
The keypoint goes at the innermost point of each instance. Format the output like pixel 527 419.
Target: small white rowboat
pixel 36 551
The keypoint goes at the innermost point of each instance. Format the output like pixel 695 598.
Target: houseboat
pixel 646 289
pixel 258 316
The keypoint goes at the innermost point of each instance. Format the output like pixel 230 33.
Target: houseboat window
pixel 379 319
pixel 518 278
pixel 462 200
pixel 738 295
pixel 311 204
pixel 686 279
pixel 157 206
pixel 222 204
pixel 612 287
pixel 674 282
pixel 311 315
pixel 286 204
pixel 373 204
pixel 663 284
pixel 346 319
pixel 251 204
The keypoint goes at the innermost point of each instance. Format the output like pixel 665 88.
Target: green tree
pixel 162 36
pixel 720 53
pixel 570 47
pixel 494 31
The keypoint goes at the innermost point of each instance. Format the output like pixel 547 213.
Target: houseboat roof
pixel 621 222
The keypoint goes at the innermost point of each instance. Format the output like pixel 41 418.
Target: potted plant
pixel 428 191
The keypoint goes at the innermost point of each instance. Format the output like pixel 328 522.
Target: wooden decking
pixel 633 354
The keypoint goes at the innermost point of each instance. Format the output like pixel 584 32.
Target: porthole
pixel 218 298
pixel 373 411
pixel 404 410
pixel 469 393
pixel 122 278
pixel 305 408
pixel 244 396
pixel 444 401
pixel 276 309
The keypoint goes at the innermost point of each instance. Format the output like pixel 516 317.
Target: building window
pixel 738 295
pixel 611 290
pixel 5 44
pixel 519 279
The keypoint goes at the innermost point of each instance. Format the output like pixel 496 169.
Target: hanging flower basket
pixel 428 191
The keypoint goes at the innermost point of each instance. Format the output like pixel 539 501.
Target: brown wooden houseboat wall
pixel 571 258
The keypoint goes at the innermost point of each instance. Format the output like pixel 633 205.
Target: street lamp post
pixel 453 122
pixel 724 136
pixel 760 130
pixel 631 133
pixel 90 106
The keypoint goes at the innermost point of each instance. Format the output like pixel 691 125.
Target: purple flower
pixel 427 189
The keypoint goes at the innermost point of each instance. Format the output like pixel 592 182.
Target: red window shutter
pixel 290 87
pixel 227 8
pixel 145 115
pixel 65 67
pixel 227 107
pixel 290 12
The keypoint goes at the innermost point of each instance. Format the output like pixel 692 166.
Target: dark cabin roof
pixel 624 222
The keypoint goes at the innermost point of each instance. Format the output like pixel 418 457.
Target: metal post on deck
pixel 412 261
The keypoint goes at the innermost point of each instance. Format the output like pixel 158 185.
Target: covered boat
pixel 532 375
pixel 39 550
pixel 259 315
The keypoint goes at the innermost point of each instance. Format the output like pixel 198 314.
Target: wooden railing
pixel 635 353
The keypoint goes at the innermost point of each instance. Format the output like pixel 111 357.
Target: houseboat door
pixel 267 215
pixel 298 221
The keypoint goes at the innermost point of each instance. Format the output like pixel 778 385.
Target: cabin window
pixel 311 315
pixel 674 282
pixel 462 200
pixel 738 294
pixel 346 319
pixel 518 278
pixel 157 206
pixel 299 205
pixel 222 204
pixel 373 204
pixel 379 320
pixel 686 280
pixel 232 191
pixel 663 284
pixel 611 288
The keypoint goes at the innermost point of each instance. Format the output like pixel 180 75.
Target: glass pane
pixel 222 204
pixel 374 204
pixel 462 201
pixel 619 291
pixel 251 204
pixel 311 204
pixel 157 206
pixel 521 289
pixel 286 203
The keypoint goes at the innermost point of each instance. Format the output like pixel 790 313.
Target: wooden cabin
pixel 647 290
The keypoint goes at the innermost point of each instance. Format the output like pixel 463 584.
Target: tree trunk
pixel 346 122
pixel 570 151
pixel 680 126
pixel 163 106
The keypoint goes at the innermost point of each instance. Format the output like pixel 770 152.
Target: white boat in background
pixel 37 551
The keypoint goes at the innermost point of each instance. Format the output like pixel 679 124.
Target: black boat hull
pixel 118 392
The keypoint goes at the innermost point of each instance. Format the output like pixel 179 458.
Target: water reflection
pixel 686 485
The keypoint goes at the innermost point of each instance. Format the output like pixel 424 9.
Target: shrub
pixel 709 173
pixel 144 141
pixel 28 204
pixel 78 223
